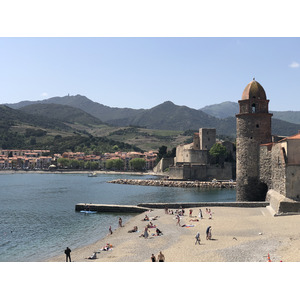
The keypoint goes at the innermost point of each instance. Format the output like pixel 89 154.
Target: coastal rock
pixel 174 183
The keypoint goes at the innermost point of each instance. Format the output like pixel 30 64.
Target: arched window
pixel 253 108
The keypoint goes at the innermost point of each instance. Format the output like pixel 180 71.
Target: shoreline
pixel 239 235
pixel 77 172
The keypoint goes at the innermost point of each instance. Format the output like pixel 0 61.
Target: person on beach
pixel 200 214
pixel 135 229
pixel 208 233
pixel 146 234
pixel 158 232
pixel 68 254
pixel 110 230
pixel 161 257
pixel 178 220
pixel 120 222
pixel 191 211
pixel 153 259
pixel 197 238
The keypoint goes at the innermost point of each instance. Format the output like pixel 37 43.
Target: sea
pixel 38 218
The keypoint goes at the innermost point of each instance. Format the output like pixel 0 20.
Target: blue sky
pixel 144 72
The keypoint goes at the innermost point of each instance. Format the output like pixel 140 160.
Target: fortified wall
pixel 193 162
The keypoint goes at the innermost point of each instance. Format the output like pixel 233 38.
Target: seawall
pixel 175 183
pixel 142 207
pixel 110 208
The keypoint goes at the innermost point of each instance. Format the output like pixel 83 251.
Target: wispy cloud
pixel 44 94
pixel 294 64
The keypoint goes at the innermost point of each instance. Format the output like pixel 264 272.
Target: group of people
pixel 208 235
pixel 160 257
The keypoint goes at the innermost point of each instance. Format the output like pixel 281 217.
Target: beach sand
pixel 238 235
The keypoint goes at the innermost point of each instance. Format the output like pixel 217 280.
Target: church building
pixel 265 170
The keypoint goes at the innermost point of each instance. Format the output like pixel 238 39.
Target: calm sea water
pixel 38 218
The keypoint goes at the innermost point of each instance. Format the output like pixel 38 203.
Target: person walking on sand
pixel 146 234
pixel 200 214
pixel 153 259
pixel 110 230
pixel 208 233
pixel 197 238
pixel 120 222
pixel 68 254
pixel 161 257
pixel 178 220
pixel 191 211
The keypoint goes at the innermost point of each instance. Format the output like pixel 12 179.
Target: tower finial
pixel 253 78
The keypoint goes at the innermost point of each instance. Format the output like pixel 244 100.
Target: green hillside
pixel 63 113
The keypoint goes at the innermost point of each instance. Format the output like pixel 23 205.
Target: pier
pixel 143 207
pixel 111 208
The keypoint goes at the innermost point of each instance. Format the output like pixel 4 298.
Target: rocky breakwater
pixel 175 183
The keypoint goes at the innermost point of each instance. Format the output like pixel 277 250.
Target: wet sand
pixel 238 235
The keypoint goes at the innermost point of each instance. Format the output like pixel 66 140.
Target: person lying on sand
pixel 93 256
pixel 146 218
pixel 158 232
pixel 150 225
pixel 106 247
pixel 194 220
pixel 135 229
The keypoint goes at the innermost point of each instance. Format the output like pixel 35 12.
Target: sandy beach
pixel 238 235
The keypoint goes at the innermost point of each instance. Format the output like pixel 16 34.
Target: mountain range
pixel 166 116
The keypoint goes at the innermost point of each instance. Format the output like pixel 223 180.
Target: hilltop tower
pixel 253 129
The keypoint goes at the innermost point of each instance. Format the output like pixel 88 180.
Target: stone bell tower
pixel 253 127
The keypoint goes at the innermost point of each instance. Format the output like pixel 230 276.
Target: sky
pixel 142 72
pixel 176 53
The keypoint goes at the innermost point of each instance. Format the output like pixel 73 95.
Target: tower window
pixel 253 108
pixel 257 125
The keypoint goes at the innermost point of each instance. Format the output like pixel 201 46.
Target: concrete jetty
pixel 111 208
pixel 140 208
pixel 202 204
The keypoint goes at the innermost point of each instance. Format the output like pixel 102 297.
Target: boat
pixel 93 174
pixel 88 211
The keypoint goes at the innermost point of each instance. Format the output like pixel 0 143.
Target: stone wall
pixel 163 164
pixel 207 137
pixel 292 182
pixel 253 129
pixel 186 154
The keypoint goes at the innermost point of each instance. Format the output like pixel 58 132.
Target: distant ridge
pixel 165 116
pixel 100 111
pixel 230 109
pixel 222 110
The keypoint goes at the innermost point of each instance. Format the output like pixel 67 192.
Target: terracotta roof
pixel 292 137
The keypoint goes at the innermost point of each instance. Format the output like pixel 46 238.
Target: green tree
pixel 162 152
pixel 109 164
pixel 63 162
pixel 218 151
pixel 137 164
pixel 119 164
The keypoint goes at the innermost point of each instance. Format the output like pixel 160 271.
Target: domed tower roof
pixel 254 90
